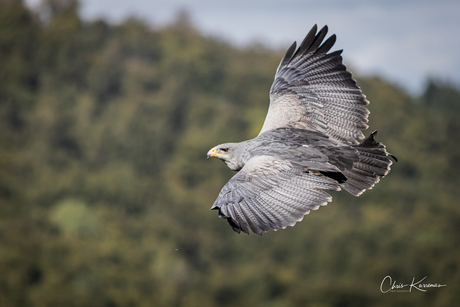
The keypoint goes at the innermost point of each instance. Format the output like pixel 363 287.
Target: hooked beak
pixel 211 153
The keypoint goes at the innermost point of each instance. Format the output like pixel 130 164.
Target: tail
pixel 373 164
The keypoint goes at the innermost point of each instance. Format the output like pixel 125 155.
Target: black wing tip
pixel 313 42
pixel 325 28
pixel 238 229
pixel 288 55
pixel 318 39
pixel 235 227
pixel 305 44
pixel 327 45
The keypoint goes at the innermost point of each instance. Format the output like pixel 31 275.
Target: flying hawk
pixel 308 143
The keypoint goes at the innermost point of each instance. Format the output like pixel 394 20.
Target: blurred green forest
pixel 105 188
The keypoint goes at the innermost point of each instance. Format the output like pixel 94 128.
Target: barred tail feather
pixel 373 164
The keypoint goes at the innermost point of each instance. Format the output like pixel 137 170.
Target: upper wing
pixel 269 193
pixel 313 90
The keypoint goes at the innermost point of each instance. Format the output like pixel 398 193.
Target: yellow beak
pixel 212 153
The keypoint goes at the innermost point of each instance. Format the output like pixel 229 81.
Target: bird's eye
pixel 224 149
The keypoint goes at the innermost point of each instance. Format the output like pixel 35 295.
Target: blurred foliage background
pixel 105 190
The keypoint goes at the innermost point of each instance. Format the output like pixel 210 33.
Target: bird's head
pixel 229 153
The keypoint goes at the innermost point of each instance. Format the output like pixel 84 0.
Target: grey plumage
pixel 307 145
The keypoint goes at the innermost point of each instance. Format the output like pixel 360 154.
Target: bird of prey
pixel 307 145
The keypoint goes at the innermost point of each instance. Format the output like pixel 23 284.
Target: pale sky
pixel 403 41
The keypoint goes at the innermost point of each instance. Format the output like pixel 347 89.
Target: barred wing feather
pixel 269 193
pixel 313 90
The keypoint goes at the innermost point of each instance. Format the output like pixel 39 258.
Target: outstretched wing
pixel 313 90
pixel 269 193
